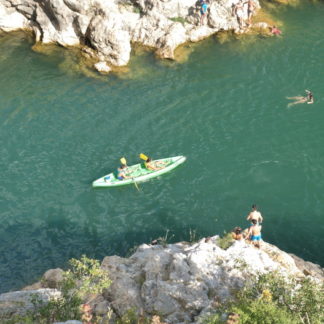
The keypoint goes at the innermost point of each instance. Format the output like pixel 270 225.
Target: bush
pixel 274 299
pixel 225 241
pixel 84 277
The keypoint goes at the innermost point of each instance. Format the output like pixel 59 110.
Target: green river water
pixel 224 109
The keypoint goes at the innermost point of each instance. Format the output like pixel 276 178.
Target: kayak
pixel 139 173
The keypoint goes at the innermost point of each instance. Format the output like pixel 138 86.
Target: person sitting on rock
pixel 237 233
pixel 254 233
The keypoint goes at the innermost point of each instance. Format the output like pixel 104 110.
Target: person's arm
pixel 248 217
pixel 249 233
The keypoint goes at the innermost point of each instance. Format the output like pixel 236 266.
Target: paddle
pixel 124 162
pixel 143 157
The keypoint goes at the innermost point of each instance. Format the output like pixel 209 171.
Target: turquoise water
pixel 224 109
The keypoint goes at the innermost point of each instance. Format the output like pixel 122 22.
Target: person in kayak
pixel 153 165
pixel 150 164
pixel 122 172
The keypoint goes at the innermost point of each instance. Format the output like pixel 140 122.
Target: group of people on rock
pixel 253 232
pixel 238 11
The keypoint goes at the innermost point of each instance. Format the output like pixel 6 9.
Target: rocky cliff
pixel 181 282
pixel 106 29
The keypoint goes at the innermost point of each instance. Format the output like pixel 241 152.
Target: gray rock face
pixel 110 27
pixel 183 282
pixel 19 302
pixel 53 277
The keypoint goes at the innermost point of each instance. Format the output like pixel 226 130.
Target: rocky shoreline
pixel 182 282
pixel 105 31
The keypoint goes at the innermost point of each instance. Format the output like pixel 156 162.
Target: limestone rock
pixel 19 302
pixel 52 278
pixel 182 281
pixel 102 67
pixel 110 27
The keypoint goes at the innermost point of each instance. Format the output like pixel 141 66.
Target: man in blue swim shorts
pixel 254 233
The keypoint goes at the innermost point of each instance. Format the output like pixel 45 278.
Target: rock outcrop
pixel 184 282
pixel 110 27
pixel 20 302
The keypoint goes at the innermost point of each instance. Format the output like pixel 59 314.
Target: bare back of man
pixel 255 214
pixel 254 233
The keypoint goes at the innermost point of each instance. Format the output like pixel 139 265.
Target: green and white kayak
pixel 139 173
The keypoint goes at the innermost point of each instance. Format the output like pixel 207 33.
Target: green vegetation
pixel 84 277
pixel 272 299
pixel 181 20
pixel 225 241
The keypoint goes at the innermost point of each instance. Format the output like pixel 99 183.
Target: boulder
pixel 52 278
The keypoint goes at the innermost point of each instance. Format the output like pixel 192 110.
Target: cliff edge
pixel 182 282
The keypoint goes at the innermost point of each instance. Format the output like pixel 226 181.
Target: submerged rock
pixel 110 27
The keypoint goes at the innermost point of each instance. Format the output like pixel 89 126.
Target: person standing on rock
pixel 254 233
pixel 239 12
pixel 255 215
pixel 250 10
pixel 203 12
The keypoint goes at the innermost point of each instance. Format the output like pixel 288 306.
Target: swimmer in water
pixel 309 98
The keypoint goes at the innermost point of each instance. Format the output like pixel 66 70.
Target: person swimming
pixel 309 98
pixel 275 30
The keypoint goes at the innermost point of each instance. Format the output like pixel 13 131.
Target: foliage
pixel 225 241
pixel 84 277
pixel 181 20
pixel 131 317
pixel 272 299
pixel 263 312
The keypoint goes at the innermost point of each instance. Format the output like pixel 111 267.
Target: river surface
pixel 225 109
